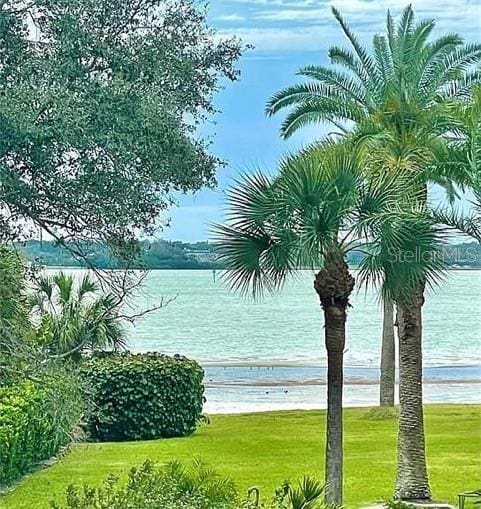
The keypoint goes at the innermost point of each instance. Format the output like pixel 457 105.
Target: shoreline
pixel 273 364
pixel 237 397
pixel 323 383
pixel 353 408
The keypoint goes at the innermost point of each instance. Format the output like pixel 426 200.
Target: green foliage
pixel 149 487
pixel 404 76
pixel 323 205
pixel 307 494
pixel 74 318
pixel 16 331
pixel 463 156
pixel 13 310
pixel 142 396
pixel 398 504
pixel 175 487
pixel 99 107
pixel 36 420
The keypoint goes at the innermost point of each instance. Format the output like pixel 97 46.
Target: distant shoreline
pixel 194 269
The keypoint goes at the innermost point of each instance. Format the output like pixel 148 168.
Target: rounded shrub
pixel 142 396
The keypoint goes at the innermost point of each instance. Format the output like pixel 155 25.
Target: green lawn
pixel 264 449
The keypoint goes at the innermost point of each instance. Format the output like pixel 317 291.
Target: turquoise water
pixel 215 326
pixel 269 354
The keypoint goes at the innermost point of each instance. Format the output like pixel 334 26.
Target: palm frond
pixel 296 94
pixel 467 224
pixel 366 60
pixel 64 284
pixel 318 111
pixel 337 83
pixel 87 285
pixel 405 254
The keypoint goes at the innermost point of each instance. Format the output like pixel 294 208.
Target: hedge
pixel 142 396
pixel 36 420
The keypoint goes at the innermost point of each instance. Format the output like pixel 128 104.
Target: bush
pixel 144 396
pixel 150 487
pixel 176 487
pixel 36 420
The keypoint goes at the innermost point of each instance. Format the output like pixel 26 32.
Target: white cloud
pixel 231 17
pixel 311 38
pixel 284 25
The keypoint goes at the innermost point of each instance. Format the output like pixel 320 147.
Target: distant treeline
pixel 163 254
pixel 159 254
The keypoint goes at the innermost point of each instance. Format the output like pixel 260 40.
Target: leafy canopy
pixel 100 102
pixel 321 206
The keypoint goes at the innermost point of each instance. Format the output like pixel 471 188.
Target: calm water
pixel 214 326
pixel 269 354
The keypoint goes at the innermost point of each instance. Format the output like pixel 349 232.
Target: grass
pixel 265 449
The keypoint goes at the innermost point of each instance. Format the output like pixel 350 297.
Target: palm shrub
pixel 399 88
pixel 319 208
pixel 75 318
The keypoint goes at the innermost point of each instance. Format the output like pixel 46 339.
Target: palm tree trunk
pixel 334 285
pixel 388 356
pixel 335 338
pixel 412 476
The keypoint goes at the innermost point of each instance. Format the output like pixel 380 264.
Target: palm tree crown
pixel 405 73
pixel 321 206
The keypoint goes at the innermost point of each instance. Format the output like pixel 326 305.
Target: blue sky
pixel 286 35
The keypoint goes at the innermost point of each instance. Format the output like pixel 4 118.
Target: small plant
pixel 174 486
pixel 398 504
pixel 307 494
pixel 72 319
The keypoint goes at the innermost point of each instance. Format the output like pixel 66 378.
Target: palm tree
pixel 400 88
pixel 311 216
pixel 74 319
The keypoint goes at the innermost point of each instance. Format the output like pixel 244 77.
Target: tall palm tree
pixel 75 318
pixel 400 87
pixel 311 216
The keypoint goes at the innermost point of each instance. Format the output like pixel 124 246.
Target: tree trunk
pixel 388 356
pixel 334 285
pixel 412 477
pixel 335 336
